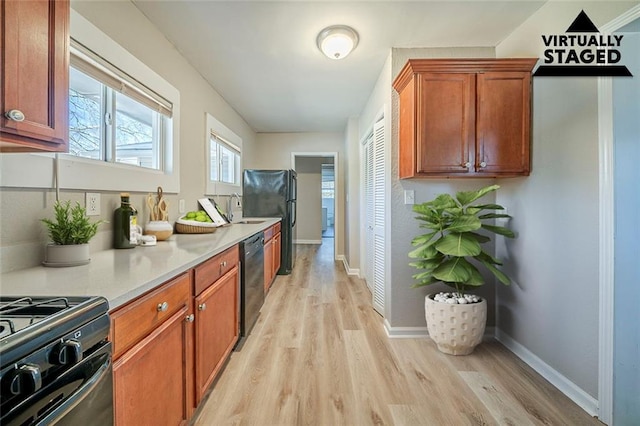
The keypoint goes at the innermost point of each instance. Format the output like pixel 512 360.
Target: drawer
pixel 209 271
pixel 132 322
pixel 268 233
pixel 276 228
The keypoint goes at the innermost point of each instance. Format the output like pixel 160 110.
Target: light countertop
pixel 122 275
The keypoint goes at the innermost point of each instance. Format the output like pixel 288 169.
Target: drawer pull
pixel 162 307
pixel 224 263
pixel 189 318
pixel 202 306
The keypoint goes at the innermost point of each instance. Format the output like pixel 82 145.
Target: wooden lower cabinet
pixel 217 328
pixel 268 264
pixel 152 381
pixel 272 256
pixel 153 356
pixel 277 250
pixel 171 343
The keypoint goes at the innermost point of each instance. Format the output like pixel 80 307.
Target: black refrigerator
pixel 272 193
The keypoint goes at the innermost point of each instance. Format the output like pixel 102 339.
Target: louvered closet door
pixel 378 217
pixel 368 194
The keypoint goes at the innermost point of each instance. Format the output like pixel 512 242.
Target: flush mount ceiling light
pixel 337 41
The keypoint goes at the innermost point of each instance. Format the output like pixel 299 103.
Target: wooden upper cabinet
pixel 464 117
pixel 446 110
pixel 34 73
pixel 503 123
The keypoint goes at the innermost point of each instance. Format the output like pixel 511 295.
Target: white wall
pixel 273 151
pixel 309 204
pixel 352 196
pixel 22 236
pixel 404 306
pixel 552 308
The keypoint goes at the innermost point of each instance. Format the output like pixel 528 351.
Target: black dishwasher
pixel 251 283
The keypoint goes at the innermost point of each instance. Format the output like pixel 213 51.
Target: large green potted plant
pixel 70 232
pixel 450 252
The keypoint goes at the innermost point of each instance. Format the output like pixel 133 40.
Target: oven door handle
pixel 78 395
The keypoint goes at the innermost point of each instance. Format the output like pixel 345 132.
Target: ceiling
pixel 261 56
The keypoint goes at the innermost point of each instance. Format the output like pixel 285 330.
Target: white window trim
pixel 87 174
pixel 216 127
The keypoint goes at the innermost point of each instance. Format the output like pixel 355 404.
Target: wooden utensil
pixel 152 207
pixel 162 206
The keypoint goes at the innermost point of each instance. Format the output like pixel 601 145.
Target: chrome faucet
pixel 230 206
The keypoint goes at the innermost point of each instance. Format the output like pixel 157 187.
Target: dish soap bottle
pixel 125 221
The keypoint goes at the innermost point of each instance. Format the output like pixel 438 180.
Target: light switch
pixel 409 196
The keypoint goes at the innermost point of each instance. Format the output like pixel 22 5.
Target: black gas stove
pixel 55 361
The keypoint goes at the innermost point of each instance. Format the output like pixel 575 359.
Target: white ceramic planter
pixel 456 329
pixel 57 255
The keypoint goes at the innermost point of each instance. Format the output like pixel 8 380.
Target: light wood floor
pixel 319 356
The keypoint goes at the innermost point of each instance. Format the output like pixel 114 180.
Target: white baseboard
pixel 405 332
pixel 566 386
pixel 347 268
pixel 307 242
pixel 422 332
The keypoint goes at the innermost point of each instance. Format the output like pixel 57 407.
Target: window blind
pixel 229 145
pixel 94 65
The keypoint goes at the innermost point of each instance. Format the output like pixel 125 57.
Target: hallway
pixel 319 355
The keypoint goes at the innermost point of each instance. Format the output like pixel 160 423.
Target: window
pixel 113 117
pixel 105 77
pixel 224 166
pixel 328 181
pixel 225 161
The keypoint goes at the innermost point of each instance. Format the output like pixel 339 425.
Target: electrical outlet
pixel 181 207
pixel 92 203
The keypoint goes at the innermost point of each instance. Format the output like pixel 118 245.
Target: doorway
pixel 318 195
pixel 626 175
pixel 328 198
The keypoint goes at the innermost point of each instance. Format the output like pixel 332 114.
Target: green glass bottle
pixel 125 219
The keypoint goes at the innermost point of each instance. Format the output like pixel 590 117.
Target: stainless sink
pixel 250 222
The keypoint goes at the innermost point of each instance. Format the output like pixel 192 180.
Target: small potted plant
pixel 450 253
pixel 70 232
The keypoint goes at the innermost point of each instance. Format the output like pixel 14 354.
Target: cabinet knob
pixel 223 263
pixel 467 165
pixel 202 306
pixel 189 318
pixel 14 115
pixel 162 307
pixel 483 164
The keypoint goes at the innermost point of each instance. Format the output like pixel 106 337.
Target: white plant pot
pixel 57 255
pixel 456 328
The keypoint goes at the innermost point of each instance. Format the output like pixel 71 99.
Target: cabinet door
pixel 503 124
pixel 35 74
pixel 277 247
pixel 445 131
pixel 268 264
pixel 153 380
pixel 217 328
